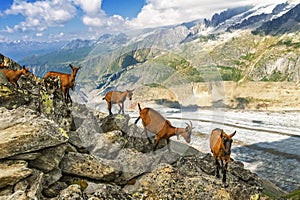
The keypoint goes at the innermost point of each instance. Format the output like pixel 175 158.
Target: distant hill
pixel 17 50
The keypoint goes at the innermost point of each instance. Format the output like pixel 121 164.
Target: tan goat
pixel 117 97
pixel 156 123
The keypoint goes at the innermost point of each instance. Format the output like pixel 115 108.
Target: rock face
pixel 22 131
pixel 50 150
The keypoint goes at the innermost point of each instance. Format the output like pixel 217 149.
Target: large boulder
pixel 84 165
pixel 23 130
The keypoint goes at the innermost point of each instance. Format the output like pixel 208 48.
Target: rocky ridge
pixel 50 150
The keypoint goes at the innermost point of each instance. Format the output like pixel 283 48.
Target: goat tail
pixel 136 121
pixel 140 109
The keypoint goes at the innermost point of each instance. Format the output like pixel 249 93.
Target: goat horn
pixel 189 125
pixel 192 125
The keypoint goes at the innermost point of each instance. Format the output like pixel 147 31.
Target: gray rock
pixel 49 159
pixel 76 142
pixel 85 165
pixel 115 122
pixel 18 195
pixel 52 177
pixel 26 156
pixel 33 185
pixel 3 78
pixel 12 172
pixel 12 97
pixel 54 189
pixel 72 192
pixel 87 130
pixel 107 145
pixel 23 131
pixel 109 192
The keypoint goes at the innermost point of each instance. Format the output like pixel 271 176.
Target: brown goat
pixel 156 123
pixel 117 97
pixel 14 75
pixel 1 61
pixel 220 145
pixel 67 81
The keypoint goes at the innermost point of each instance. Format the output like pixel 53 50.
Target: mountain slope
pixel 224 48
pixel 287 23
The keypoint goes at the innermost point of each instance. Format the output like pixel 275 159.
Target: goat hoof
pixel 225 185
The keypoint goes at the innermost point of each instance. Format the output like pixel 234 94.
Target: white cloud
pixel 90 7
pixel 93 21
pixel 93 15
pixel 3 38
pixel 40 15
pixel 9 30
pixel 39 34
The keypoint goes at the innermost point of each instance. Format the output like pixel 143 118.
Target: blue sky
pixel 49 20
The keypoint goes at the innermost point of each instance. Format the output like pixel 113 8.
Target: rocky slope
pixel 50 150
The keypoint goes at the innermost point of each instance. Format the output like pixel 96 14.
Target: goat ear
pixel 223 134
pixel 232 134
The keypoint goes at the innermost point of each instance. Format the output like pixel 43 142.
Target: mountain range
pixel 256 43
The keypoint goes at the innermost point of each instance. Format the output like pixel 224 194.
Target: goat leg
pixel 109 108
pixel 224 169
pixel 120 106
pixel 69 97
pixel 123 108
pixel 217 168
pixel 156 144
pixel 145 130
pixel 168 145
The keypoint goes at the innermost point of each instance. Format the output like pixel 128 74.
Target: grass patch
pixel 277 76
pixel 289 43
pixel 248 56
pixel 293 195
pixel 230 73
pixel 155 85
